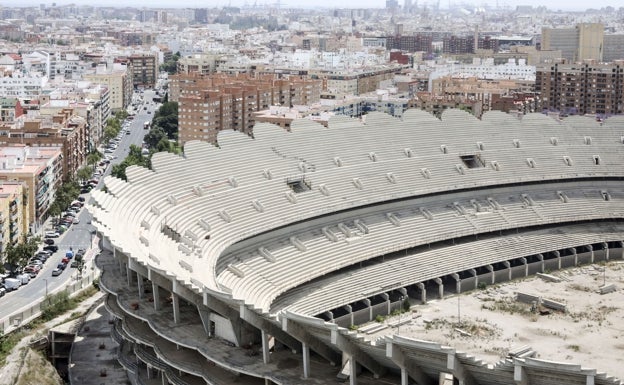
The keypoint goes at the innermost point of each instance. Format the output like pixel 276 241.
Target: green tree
pixel 154 136
pixel 84 173
pixel 134 158
pixel 18 255
pixel 93 158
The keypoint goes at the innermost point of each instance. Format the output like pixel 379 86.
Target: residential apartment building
pixel 582 88
pixel 582 42
pixel 14 221
pixel 209 104
pixel 117 77
pixel 61 129
pixel 22 85
pixel 40 169
pixel 355 81
pixel 144 69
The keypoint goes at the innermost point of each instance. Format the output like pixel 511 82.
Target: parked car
pixel 12 284
pixel 61 266
pixel 56 272
pixel 76 221
pixel 2 291
pixel 51 234
pixel 52 248
pixel 48 241
pixel 81 199
pixel 25 278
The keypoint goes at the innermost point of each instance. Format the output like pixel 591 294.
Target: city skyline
pixel 574 5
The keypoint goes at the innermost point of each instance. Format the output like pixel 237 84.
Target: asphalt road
pixel 78 235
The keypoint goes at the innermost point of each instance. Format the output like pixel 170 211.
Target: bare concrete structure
pixel 251 262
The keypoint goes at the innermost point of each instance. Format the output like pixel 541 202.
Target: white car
pixel 51 234
pixel 76 221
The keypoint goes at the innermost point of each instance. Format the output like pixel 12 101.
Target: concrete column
pixel 176 307
pixel 490 268
pixel 352 371
pixel 526 266
pixel 540 257
pixel 148 370
pixel 156 296
pixel 622 248
pixel 440 287
pixel 306 359
pixel 386 297
pixel 140 285
pixel 520 375
pixel 508 267
pixel 606 247
pixel 265 347
pixel 473 272
pixel 129 275
pixel 590 379
pixel 591 251
pixel 163 378
pixel 558 256
pixel 370 308
pixel 349 310
pixel 404 376
pixel 330 315
pixel 457 282
pixel 573 250
pixel 423 292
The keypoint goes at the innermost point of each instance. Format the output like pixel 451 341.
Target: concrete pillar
pixel 508 267
pixel 163 378
pixel 352 371
pixel 558 256
pixel 140 285
pixel 176 307
pixel 349 310
pixel 622 250
pixel 473 273
pixel 156 296
pixel 306 359
pixel 457 282
pixel 386 297
pixel 423 292
pixel 520 375
pixel 606 247
pixel 265 347
pixel 540 257
pixel 440 287
pixel 573 250
pixel 128 275
pixel 526 266
pixel 404 376
pixel 330 315
pixel 490 268
pixel 367 302
pixel 590 379
pixel 591 251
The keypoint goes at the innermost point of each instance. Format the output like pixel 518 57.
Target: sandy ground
pixel 590 333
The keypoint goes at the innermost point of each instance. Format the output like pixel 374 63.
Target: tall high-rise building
pixel 581 88
pixel 583 42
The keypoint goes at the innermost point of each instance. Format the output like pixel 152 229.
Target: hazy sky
pixel 551 4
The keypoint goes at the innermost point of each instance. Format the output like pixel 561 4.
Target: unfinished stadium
pixel 256 261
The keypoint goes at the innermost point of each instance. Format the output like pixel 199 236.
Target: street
pixel 79 235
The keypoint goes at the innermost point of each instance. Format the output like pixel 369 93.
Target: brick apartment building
pixel 211 103
pixel 582 88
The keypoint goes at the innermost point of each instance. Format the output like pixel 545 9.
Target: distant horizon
pixel 553 5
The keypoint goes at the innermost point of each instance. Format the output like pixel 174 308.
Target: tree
pixel 93 158
pixel 84 173
pixel 154 136
pixel 134 158
pixel 19 254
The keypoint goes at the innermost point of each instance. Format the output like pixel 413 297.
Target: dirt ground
pixel 492 322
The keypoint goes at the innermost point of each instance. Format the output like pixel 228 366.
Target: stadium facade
pixel 249 263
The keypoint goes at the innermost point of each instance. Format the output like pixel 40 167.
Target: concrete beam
pixel 269 327
pixel 301 334
pixel 458 371
pixel 395 353
pixel 357 354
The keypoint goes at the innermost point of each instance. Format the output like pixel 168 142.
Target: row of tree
pixel 161 137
